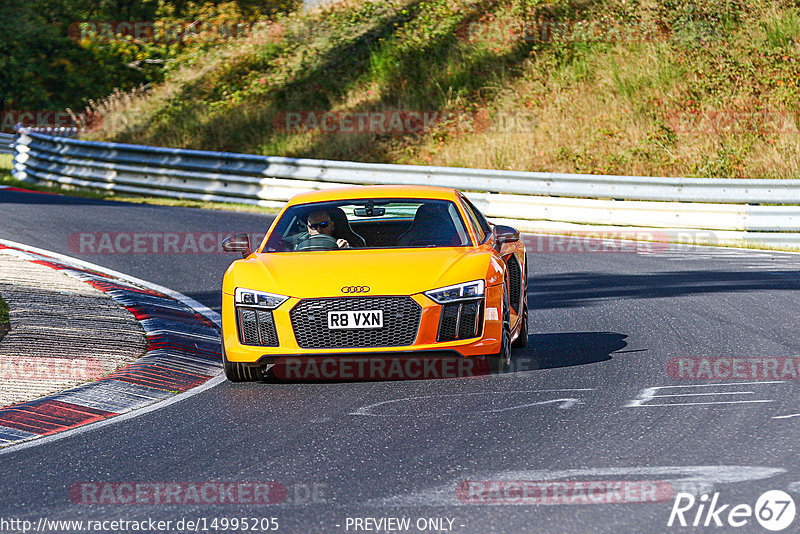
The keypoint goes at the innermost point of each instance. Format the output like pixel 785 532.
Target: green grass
pixel 783 31
pixel 604 102
pixel 6 163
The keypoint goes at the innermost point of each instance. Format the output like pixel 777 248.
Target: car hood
pixel 385 272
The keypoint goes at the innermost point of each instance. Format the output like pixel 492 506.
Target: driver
pixel 320 222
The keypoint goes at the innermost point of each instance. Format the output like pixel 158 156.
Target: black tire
pixel 239 372
pixel 522 339
pixel 501 362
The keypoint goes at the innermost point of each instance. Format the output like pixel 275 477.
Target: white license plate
pixel 341 320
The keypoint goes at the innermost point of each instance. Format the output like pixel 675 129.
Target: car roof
pixel 375 191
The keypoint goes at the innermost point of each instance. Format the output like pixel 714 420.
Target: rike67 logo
pixel 774 510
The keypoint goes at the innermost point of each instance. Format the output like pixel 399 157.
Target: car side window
pixel 478 220
pixel 475 223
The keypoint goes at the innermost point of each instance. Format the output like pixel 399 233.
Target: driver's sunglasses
pixel 321 224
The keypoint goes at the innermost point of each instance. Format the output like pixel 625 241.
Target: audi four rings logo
pixel 355 289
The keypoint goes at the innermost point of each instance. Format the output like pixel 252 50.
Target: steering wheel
pixel 318 242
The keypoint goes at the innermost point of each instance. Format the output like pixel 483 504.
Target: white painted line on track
pixel 647 394
pixel 701 394
pixel 565 402
pixel 190 302
pixel 703 403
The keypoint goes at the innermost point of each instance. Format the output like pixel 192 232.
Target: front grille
pixel 256 327
pixel 514 283
pixel 401 316
pixel 460 321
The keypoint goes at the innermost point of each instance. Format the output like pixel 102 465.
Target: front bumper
pixel 487 342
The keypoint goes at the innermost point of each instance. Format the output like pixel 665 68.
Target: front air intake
pixel 256 327
pixel 460 320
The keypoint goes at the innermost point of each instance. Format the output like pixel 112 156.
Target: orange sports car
pixel 375 270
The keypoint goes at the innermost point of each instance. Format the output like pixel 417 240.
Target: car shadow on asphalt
pixel 586 289
pixel 567 349
pixel 544 351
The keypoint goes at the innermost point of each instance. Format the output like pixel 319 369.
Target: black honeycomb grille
pixel 401 317
pixel 514 283
pixel 460 321
pixel 468 325
pixel 448 326
pixel 257 327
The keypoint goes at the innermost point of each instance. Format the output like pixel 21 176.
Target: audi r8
pixel 366 270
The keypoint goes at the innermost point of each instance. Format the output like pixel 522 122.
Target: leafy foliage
pixel 674 87
pixel 53 56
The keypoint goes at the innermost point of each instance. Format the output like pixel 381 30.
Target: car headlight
pixel 261 299
pixel 466 291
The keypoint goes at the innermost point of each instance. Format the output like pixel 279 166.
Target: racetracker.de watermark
pixel 175 31
pixel 10 119
pixel 152 242
pixel 379 368
pixel 494 31
pixel 726 368
pixel 402 122
pixel 734 121
pixel 528 492
pixel 37 368
pixel 622 242
pixel 183 493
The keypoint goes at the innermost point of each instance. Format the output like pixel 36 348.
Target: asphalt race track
pixel 580 408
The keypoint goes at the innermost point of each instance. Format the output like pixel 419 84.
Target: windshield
pixel 369 223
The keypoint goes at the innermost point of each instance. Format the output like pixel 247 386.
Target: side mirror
pixel 237 243
pixel 505 234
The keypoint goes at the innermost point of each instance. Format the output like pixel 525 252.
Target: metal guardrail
pixel 691 203
pixel 7 140
pixel 6 143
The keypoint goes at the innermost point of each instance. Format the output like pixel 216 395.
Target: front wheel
pixel 501 362
pixel 239 372
pixel 522 338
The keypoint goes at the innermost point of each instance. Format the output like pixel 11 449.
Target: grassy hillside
pixel 676 87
